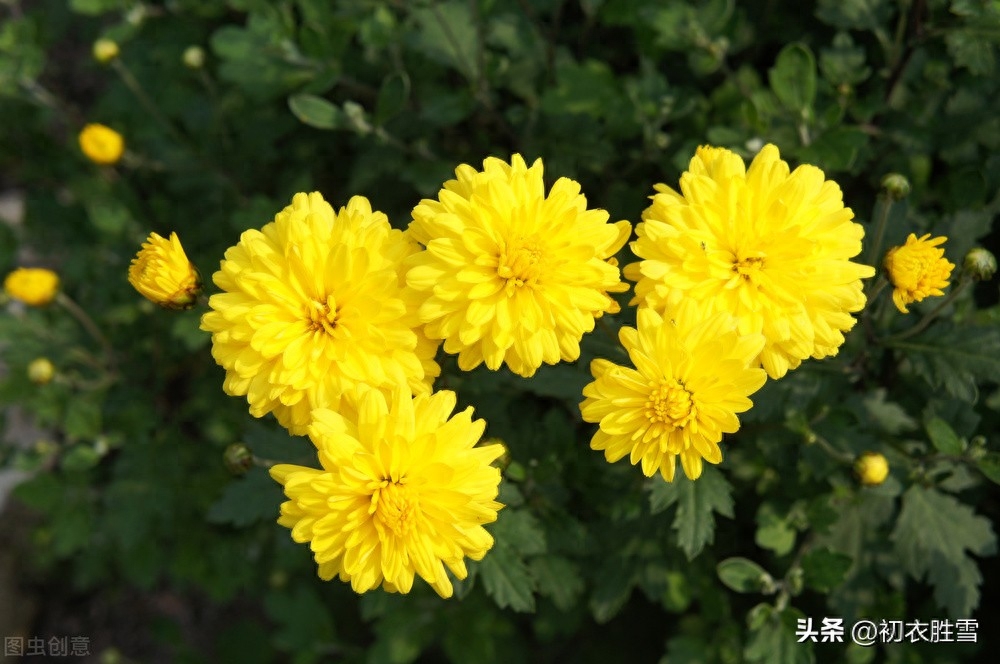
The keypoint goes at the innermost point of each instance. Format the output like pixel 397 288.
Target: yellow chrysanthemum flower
pixel 917 269
pixel 510 274
pixel 101 144
pixel 693 374
pixel 403 490
pixel 35 286
pixel 768 245
pixel 162 273
pixel 314 304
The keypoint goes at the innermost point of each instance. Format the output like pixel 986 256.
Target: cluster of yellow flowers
pixel 331 320
pixel 743 274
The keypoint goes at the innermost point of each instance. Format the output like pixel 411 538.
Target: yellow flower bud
pixel 41 370
pixel 105 50
pixel 871 468
pixel 194 57
pixel 162 273
pixel 101 144
pixel 980 264
pixel 917 269
pixel 34 286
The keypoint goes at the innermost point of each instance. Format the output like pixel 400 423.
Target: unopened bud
pixel 41 371
pixel 980 264
pixel 896 186
pixel 105 51
pixel 194 57
pixel 872 468
pixel 238 459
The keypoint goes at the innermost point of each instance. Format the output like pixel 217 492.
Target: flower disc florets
pixel 313 305
pixel 770 246
pixel 403 490
pixel 510 274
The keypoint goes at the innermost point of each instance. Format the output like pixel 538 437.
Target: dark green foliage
pixel 592 561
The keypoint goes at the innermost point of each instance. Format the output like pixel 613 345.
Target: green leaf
pixel 507 579
pixel 970 49
pixel 825 569
pixel 866 15
pixel 79 457
pixel 743 575
pixel 558 579
pixel 612 588
pixel 844 63
pixel 696 501
pixel 520 531
pixel 774 531
pixel 392 97
pixel 952 357
pixel 989 465
pixel 943 437
pixel 83 417
pixel 931 537
pixel 774 641
pixel 793 77
pixel 447 33
pixel 888 416
pixel 316 111
pixel 303 621
pixel 248 499
pixel 95 7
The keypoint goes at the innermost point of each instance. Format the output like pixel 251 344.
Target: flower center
pixel 323 315
pixel 521 263
pixel 669 402
pixel 749 268
pixel 395 506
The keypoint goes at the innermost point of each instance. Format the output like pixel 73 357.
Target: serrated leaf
pixel 316 111
pixel 888 416
pixel 447 34
pixel 824 569
pixel 943 437
pixel 612 588
pixel 931 537
pixel 302 620
pixel 248 499
pixel 969 49
pixel 520 531
pixel 696 501
pixel 775 642
pixel 743 575
pixel 793 77
pixel 867 15
pixel 953 357
pixel 558 579
pixel 773 532
pixel 507 579
pixel 989 465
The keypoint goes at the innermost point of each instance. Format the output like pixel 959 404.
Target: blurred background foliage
pixel 228 107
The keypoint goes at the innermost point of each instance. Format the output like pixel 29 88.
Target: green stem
pixel 147 103
pixel 932 314
pixel 88 324
pixel 883 205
